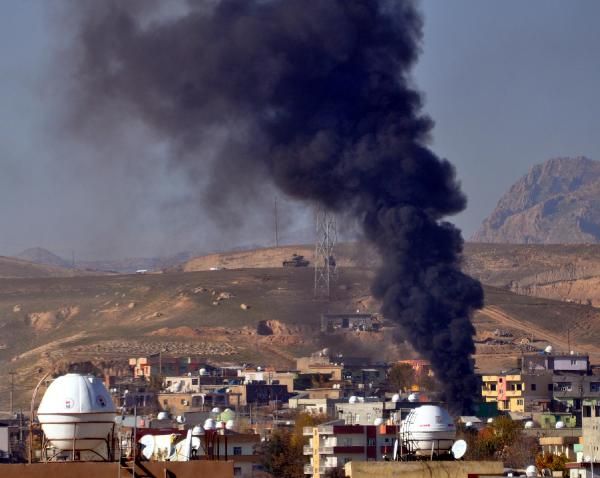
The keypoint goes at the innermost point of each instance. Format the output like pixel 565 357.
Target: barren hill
pixel 556 202
pixel 347 255
pixel 11 267
pixel 265 316
pixel 43 256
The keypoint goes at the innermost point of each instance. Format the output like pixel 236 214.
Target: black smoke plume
pixel 315 96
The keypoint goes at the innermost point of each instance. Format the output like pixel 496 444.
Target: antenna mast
pixel 325 266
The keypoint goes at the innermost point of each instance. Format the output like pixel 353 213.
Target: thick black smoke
pixel 315 96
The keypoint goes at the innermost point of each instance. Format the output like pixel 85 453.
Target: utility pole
pixel 325 264
pixel 12 390
pixel 276 224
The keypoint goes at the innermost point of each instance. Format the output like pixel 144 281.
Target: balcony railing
pixel 309 470
pixel 323 450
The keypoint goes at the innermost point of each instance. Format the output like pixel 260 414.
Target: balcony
pixel 324 450
pixel 489 393
pixel 309 470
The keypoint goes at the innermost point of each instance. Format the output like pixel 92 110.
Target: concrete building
pixel 5 451
pixel 560 445
pixel 269 377
pixel 519 392
pixel 570 390
pixel 591 428
pixel 334 322
pixel 332 445
pixel 257 394
pixel 556 363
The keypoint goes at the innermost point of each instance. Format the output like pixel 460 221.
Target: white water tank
pixel 529 424
pixel 395 398
pixel 209 424
pixel 162 416
pixel 560 424
pixel 531 471
pixel 413 397
pixel 378 421
pixel 427 427
pixel 352 399
pixel 77 413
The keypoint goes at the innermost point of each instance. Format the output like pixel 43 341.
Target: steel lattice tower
pixel 325 265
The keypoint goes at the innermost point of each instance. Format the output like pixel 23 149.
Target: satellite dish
pixel 378 421
pixel 529 424
pixel 395 455
pixel 395 397
pixel 531 471
pixel 147 442
pixel 560 424
pixel 490 420
pixel 459 449
pixel 548 349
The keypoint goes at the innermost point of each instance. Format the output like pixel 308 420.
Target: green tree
pixel 401 376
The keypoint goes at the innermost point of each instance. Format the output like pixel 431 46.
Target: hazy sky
pixel 509 84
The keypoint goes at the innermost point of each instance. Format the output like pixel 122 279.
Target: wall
pixel 422 469
pixel 192 469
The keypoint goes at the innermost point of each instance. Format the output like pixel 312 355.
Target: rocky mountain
pixel 43 256
pixel 558 201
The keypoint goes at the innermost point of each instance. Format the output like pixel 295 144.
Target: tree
pixel 502 440
pixel 282 455
pixel 552 462
pixel 401 377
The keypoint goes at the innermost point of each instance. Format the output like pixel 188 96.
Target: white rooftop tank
pixel 77 412
pixel 427 427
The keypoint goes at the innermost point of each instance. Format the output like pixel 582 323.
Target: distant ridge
pixel 43 256
pixel 557 202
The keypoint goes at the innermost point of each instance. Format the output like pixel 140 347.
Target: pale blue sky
pixel 509 84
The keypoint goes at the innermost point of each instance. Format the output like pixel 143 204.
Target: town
pixel 340 409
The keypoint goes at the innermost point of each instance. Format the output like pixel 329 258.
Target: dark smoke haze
pixel 314 97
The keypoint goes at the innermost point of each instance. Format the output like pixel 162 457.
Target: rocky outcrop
pixel 556 202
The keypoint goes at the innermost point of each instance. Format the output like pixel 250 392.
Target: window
pixel 165 401
pixel 550 387
pixel 183 401
pixel 519 402
pixel 371 442
pixel 594 386
pixel 237 471
pixel 587 411
pixel 194 381
pixel 533 387
pixel 237 450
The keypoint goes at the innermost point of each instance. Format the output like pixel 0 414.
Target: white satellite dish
pixel 378 421
pixel 395 455
pixel 490 420
pixel 560 424
pixel 147 442
pixel 459 449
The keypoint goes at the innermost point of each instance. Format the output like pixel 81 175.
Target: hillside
pixel 45 323
pixel 556 202
pixel 43 256
pixel 559 272
pixel 11 267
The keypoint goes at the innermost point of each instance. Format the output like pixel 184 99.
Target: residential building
pixel 515 391
pixel 334 322
pixel 332 445
pixel 557 363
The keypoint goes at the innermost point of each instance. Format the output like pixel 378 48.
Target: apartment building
pixel 515 391
pixel 332 445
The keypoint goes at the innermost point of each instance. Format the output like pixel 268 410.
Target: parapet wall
pixel 190 469
pixel 422 469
